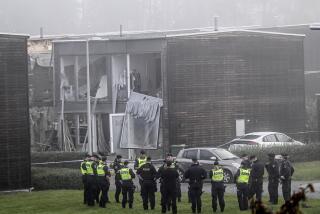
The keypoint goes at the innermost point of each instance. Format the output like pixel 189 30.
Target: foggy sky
pixel 92 16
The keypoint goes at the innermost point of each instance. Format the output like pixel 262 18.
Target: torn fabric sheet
pixel 143 106
pixel 141 123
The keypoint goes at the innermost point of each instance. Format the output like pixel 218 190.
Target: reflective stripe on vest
pixel 125 174
pixel 217 175
pixel 244 176
pixel 83 171
pixel 100 170
pixel 89 167
pixel 141 162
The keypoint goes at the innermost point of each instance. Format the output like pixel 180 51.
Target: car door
pixel 206 159
pixel 270 140
pixel 284 140
pixel 187 157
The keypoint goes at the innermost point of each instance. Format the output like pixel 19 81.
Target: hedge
pixel 41 157
pixel 309 152
pixel 44 178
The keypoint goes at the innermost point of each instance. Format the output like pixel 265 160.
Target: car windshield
pixel 250 137
pixel 224 154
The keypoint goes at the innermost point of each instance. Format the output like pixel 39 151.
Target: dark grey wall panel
pixel 215 79
pixel 14 114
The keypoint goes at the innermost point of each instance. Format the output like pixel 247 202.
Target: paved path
pixel 231 188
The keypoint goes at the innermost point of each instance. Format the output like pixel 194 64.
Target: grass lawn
pixel 307 171
pixel 70 201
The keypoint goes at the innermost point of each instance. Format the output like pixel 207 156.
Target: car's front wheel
pixel 228 178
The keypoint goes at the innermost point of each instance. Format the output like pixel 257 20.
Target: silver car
pixel 262 139
pixel 206 156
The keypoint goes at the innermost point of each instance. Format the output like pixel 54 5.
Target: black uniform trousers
pixel 273 185
pixel 162 200
pixel 178 191
pixel 256 188
pixel 118 190
pixel 286 189
pixel 169 196
pixel 85 188
pixel 103 187
pixel 195 196
pixel 92 189
pixel 148 193
pixel 127 194
pixel 243 194
pixel 217 192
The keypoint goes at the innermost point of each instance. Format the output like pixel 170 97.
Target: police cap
pixel 96 156
pixel 216 162
pixel 252 157
pixel 142 152
pixel 271 155
pixel 126 162
pixel 244 155
pixel 245 163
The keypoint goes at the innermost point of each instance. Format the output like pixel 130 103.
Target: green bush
pixel 44 178
pixel 309 152
pixel 41 157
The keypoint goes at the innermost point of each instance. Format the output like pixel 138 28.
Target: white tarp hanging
pixel 140 127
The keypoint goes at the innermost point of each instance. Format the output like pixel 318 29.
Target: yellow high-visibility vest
pixel 89 168
pixel 83 171
pixel 100 170
pixel 125 174
pixel 244 176
pixel 217 175
pixel 141 161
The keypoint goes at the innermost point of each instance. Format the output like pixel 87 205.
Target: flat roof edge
pixel 236 30
pixel 275 33
pixel 14 35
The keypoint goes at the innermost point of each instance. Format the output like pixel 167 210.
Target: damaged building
pixel 210 86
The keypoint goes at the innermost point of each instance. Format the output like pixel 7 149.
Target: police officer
pixel 158 176
pixel 91 168
pixel 242 182
pixel 147 174
pixel 125 175
pixel 103 175
pixel 140 161
pixel 169 176
pixel 286 172
pixel 256 178
pixel 175 164
pixel 116 166
pixel 217 186
pixel 196 174
pixel 83 170
pixel 272 168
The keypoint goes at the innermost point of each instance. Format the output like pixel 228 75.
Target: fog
pixel 91 16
